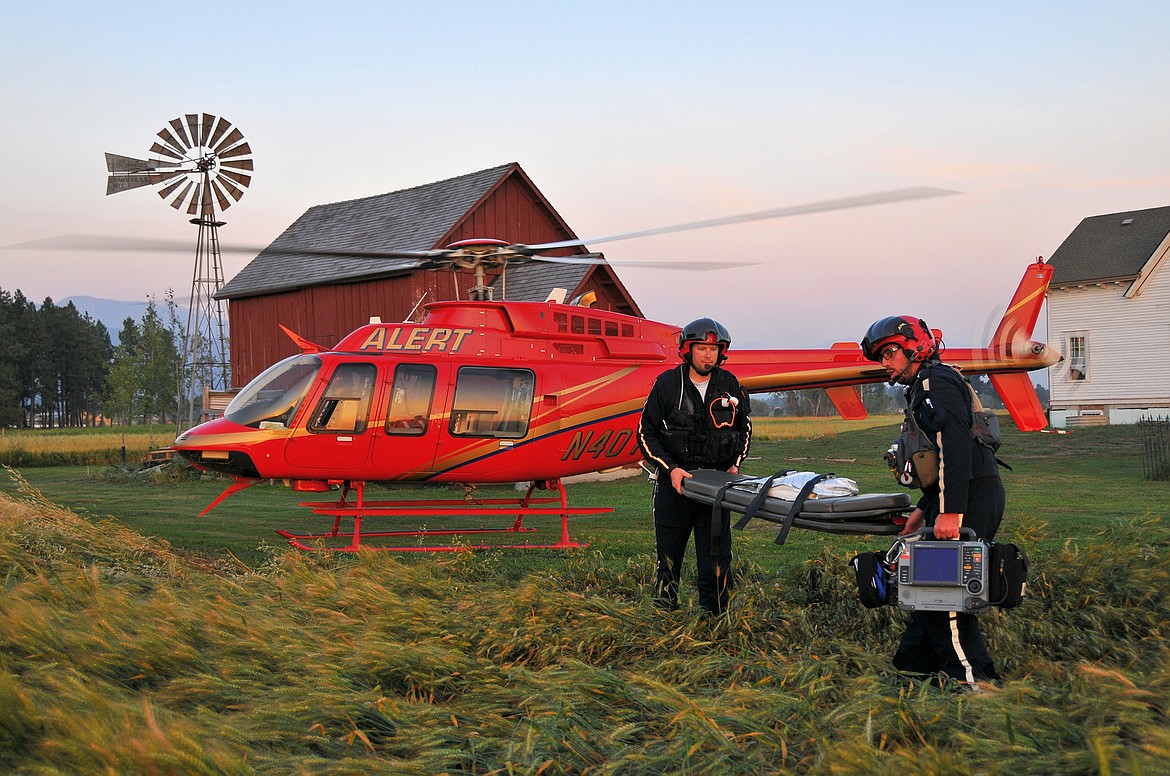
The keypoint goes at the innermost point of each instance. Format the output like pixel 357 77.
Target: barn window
pixel 492 402
pixel 345 407
pixel 1078 357
pixel 410 400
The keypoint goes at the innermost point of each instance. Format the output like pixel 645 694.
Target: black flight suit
pixel 680 428
pixel 969 483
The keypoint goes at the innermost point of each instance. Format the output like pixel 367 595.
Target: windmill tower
pixel 200 162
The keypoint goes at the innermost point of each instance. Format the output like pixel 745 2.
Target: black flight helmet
pixel 704 330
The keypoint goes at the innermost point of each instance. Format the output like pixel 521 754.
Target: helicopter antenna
pixel 200 162
pixel 417 304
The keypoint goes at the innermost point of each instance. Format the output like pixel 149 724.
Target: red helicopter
pixel 486 391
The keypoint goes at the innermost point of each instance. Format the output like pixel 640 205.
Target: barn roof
pixel 1111 247
pixel 413 219
pixel 532 282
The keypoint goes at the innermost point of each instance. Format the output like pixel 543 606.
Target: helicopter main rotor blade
pixel 94 242
pixel 697 266
pixel 97 242
pixel 864 200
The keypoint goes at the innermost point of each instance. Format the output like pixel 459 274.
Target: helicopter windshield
pixel 271 400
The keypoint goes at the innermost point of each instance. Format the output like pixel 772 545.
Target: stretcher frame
pixel 880 514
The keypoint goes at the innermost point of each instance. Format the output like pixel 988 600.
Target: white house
pixel 1109 314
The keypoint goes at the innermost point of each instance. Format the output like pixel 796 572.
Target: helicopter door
pixel 338 436
pixel 404 448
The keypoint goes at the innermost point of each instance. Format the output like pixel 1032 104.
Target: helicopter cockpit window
pixel 345 407
pixel 271 400
pixel 410 400
pixel 492 402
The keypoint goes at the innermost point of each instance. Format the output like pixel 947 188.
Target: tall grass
pixel 79 447
pixel 121 654
pixel 767 429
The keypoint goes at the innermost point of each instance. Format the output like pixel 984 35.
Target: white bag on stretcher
pixel 788 487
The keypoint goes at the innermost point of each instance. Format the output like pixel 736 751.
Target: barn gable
pixel 1107 312
pixel 322 296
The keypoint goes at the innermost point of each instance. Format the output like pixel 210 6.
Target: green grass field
pixel 137 638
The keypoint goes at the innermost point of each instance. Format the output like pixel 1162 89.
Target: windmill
pixel 200 162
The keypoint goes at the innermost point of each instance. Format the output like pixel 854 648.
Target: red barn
pixel 324 297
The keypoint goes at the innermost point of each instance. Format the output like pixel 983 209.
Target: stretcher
pixel 865 513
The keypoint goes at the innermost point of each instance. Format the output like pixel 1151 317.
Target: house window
pixel 410 399
pixel 492 402
pixel 1078 357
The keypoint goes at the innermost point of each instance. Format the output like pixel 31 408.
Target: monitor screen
pixel 936 565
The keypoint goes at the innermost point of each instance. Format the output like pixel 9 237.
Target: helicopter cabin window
pixel 271 400
pixel 1077 357
pixel 410 400
pixel 345 407
pixel 492 402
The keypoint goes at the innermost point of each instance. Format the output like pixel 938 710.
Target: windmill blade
pixel 166 191
pixel 178 201
pixel 194 129
pixel 223 181
pixel 235 136
pixel 221 126
pixel 205 128
pixel 172 143
pixel 239 164
pixel 865 200
pixel 181 132
pixel 161 150
pixel 238 177
pixel 220 197
pixel 196 199
pixel 241 150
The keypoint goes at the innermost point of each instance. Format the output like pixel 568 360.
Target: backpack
pixel 1007 575
pixel 913 457
pixel 873 579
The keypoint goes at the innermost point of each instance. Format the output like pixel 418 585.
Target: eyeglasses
pixel 888 352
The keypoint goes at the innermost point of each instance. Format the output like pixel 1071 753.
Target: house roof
pixel 1111 247
pixel 413 219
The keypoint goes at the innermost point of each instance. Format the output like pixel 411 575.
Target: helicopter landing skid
pixel 360 508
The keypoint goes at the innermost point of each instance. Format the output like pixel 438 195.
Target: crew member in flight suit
pixel 696 416
pixel 969 492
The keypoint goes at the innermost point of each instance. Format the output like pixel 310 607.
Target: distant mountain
pixel 113 313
